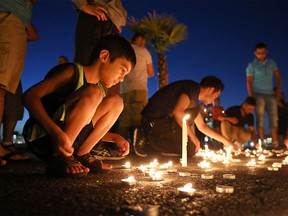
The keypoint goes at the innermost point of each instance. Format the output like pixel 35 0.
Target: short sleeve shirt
pixel 234 111
pixel 262 73
pixel 162 103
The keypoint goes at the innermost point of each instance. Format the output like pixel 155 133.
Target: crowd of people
pixel 96 107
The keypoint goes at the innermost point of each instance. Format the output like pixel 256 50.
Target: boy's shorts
pixel 43 148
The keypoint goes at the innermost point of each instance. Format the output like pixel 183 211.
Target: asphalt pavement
pixel 250 190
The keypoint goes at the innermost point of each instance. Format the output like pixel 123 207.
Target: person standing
pixel 260 74
pixel 15 30
pixel 96 18
pixel 134 89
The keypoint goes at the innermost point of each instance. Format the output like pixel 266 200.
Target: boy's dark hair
pixel 212 81
pixel 117 46
pixel 250 100
pixel 260 46
pixel 138 34
pixel 63 57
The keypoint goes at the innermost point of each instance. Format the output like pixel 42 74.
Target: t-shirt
pixel 138 77
pixel 216 112
pixel 234 111
pixel 262 73
pixel 162 103
pixel 21 8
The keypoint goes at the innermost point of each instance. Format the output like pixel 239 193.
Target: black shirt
pixel 234 111
pixel 162 103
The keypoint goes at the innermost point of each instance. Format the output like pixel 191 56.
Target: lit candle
pixel 187 190
pixel 273 168
pixel 184 174
pixel 251 163
pixel 156 176
pixel 229 176
pixel 224 189
pixel 207 176
pixel 127 165
pixel 184 141
pixel 129 181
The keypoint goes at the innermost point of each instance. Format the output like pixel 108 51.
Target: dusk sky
pixel 221 38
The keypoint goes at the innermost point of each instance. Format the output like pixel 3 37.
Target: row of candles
pixel 155 170
pixel 152 170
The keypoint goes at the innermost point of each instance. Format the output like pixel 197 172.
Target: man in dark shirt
pixel 233 125
pixel 163 115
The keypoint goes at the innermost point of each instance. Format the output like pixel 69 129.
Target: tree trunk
pixel 162 69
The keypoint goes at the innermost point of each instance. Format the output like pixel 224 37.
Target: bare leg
pixel 274 136
pixel 106 115
pixel 8 130
pixel 261 135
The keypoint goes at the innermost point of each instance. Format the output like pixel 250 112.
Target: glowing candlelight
pixel 187 190
pixel 204 164
pixel 184 174
pixel 273 168
pixel 224 189
pixel 278 165
pixel 207 176
pixel 184 141
pixel 229 176
pixel 129 181
pixel 127 165
pixel 251 163
pixel 156 176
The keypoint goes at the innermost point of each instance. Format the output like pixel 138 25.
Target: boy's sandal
pixel 57 166
pixel 2 162
pixel 95 165
pixel 12 148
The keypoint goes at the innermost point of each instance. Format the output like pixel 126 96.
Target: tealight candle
pixel 204 164
pixel 184 174
pixel 187 190
pixel 251 163
pixel 279 165
pixel 172 170
pixel 273 168
pixel 127 165
pixel 224 189
pixel 229 176
pixel 156 176
pixel 207 176
pixel 129 181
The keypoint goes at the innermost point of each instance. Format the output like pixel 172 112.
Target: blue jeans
pixel 266 103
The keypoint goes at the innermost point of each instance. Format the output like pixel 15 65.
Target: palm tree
pixel 162 31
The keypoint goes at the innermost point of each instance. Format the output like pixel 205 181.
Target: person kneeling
pixel 70 112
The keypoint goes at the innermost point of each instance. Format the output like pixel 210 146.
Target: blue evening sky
pixel 222 35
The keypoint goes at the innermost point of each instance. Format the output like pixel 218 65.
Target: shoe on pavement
pixel 106 152
pixel 139 142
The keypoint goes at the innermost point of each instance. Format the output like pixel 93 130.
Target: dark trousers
pixel 88 31
pixel 165 135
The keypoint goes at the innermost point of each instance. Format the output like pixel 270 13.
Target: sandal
pixel 58 165
pixel 2 162
pixel 10 154
pixel 93 164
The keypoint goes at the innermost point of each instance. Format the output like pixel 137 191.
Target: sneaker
pixel 139 142
pixel 102 152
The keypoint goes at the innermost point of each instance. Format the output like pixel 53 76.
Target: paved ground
pixel 25 190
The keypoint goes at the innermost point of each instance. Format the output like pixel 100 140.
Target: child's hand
pixel 123 144
pixel 62 143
